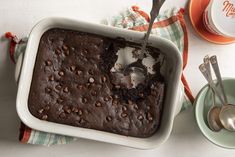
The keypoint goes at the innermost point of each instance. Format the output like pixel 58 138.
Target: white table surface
pixel 185 140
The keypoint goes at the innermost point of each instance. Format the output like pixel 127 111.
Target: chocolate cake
pixel 73 84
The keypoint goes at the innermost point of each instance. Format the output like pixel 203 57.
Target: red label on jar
pixel 229 9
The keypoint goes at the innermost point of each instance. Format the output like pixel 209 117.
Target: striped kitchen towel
pixel 169 25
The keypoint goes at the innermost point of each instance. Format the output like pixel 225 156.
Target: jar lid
pixel 223 16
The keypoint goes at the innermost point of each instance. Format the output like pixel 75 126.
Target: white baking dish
pixel 173 96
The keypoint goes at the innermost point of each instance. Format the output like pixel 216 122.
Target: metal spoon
pixel 215 66
pixel 227 113
pixel 137 65
pixel 212 115
pixel 227 117
pixel 203 70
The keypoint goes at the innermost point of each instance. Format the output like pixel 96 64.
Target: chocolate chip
pixel 48 63
pixel 95 47
pixel 115 102
pixel 153 92
pixel 62 115
pixel 149 117
pixel 47 107
pixel 98 104
pixel 59 100
pixel 117 86
pixel 93 93
pixel 136 107
pixel 44 117
pixel 75 109
pixel 57 51
pixel 140 117
pixel 80 112
pixel 106 98
pixel 66 89
pixel 40 111
pixel 48 90
pixel 116 96
pixel 91 72
pixel 91 80
pixel 51 78
pixel 84 100
pixel 67 110
pixel 124 108
pixel 73 68
pixel 65 107
pixel 85 51
pixel 58 87
pixel 108 118
pixel 79 72
pixel 88 84
pixel 141 95
pixel 64 47
pixel 97 56
pixel 148 107
pixel 80 86
pixel 61 73
pixel 66 53
pixel 103 79
pixel 124 115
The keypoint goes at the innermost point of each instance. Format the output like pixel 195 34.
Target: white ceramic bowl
pixel 173 96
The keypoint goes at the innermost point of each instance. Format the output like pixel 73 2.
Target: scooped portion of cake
pixel 76 82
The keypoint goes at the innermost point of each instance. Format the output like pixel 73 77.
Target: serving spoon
pixel 212 115
pixel 137 65
pixel 227 113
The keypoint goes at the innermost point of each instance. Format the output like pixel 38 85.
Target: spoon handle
pixel 204 71
pixel 156 6
pixel 206 61
pixel 215 66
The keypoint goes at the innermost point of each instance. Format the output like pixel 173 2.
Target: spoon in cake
pixel 137 65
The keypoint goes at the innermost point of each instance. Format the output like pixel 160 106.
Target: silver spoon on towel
pixel 137 65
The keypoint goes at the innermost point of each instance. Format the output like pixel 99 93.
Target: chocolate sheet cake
pixel 73 84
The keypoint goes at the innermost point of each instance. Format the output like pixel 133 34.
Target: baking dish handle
pixel 181 99
pixel 18 54
pixel 18 66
